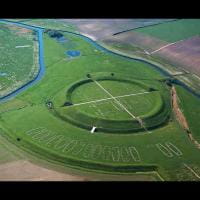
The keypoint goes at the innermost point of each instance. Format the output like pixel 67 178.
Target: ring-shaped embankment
pixel 154 117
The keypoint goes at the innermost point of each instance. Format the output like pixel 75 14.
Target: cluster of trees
pixel 49 104
pixel 152 89
pixel 54 33
pixel 67 104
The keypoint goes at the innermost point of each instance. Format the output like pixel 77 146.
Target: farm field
pixel 50 24
pixel 180 59
pixel 184 53
pixel 153 37
pixel 19 57
pixel 17 165
pixel 173 31
pixel 103 115
pixel 134 41
pixel 99 29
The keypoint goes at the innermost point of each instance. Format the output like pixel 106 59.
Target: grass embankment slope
pixel 190 106
pixel 150 106
pixel 62 142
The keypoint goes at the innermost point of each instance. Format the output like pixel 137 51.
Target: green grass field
pixel 51 24
pixel 18 63
pixel 27 122
pixel 173 31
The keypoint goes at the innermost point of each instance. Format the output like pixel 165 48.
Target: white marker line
pixel 192 171
pixel 22 46
pixel 99 100
pixel 165 46
pixel 162 47
pixel 167 153
pixel 134 117
pixel 115 99
pixel 175 150
pixel 115 105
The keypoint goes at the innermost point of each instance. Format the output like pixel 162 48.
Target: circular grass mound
pixel 113 103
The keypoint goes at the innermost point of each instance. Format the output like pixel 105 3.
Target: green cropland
pixel 173 31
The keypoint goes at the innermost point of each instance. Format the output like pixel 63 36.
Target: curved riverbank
pixel 41 71
pixel 96 45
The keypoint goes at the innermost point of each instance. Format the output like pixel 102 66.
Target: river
pixel 41 72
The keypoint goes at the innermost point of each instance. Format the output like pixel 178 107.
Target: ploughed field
pixel 127 101
pixel 184 53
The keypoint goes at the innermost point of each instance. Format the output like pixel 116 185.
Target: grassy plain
pixel 18 61
pixel 58 141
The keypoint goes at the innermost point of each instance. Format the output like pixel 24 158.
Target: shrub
pixel 54 34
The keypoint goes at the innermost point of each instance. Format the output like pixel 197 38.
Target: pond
pixel 73 53
pixel 3 74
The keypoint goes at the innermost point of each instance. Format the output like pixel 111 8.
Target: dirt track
pixel 180 116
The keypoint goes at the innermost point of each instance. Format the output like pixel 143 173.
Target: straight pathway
pixel 99 100
pixel 134 117
pixel 191 170
pixel 165 47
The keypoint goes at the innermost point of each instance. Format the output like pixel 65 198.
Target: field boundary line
pixel 142 26
pixel 99 100
pixel 166 46
pixel 162 48
pixel 191 170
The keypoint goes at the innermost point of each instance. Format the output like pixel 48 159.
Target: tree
pixel 88 75
pixel 67 104
pixel 54 34
pixel 152 89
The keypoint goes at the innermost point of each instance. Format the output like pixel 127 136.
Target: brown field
pixel 137 39
pixel 17 165
pixel 185 54
pixel 98 29
pixel 25 170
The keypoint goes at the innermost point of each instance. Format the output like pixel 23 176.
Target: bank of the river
pixel 41 71
pixel 89 40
